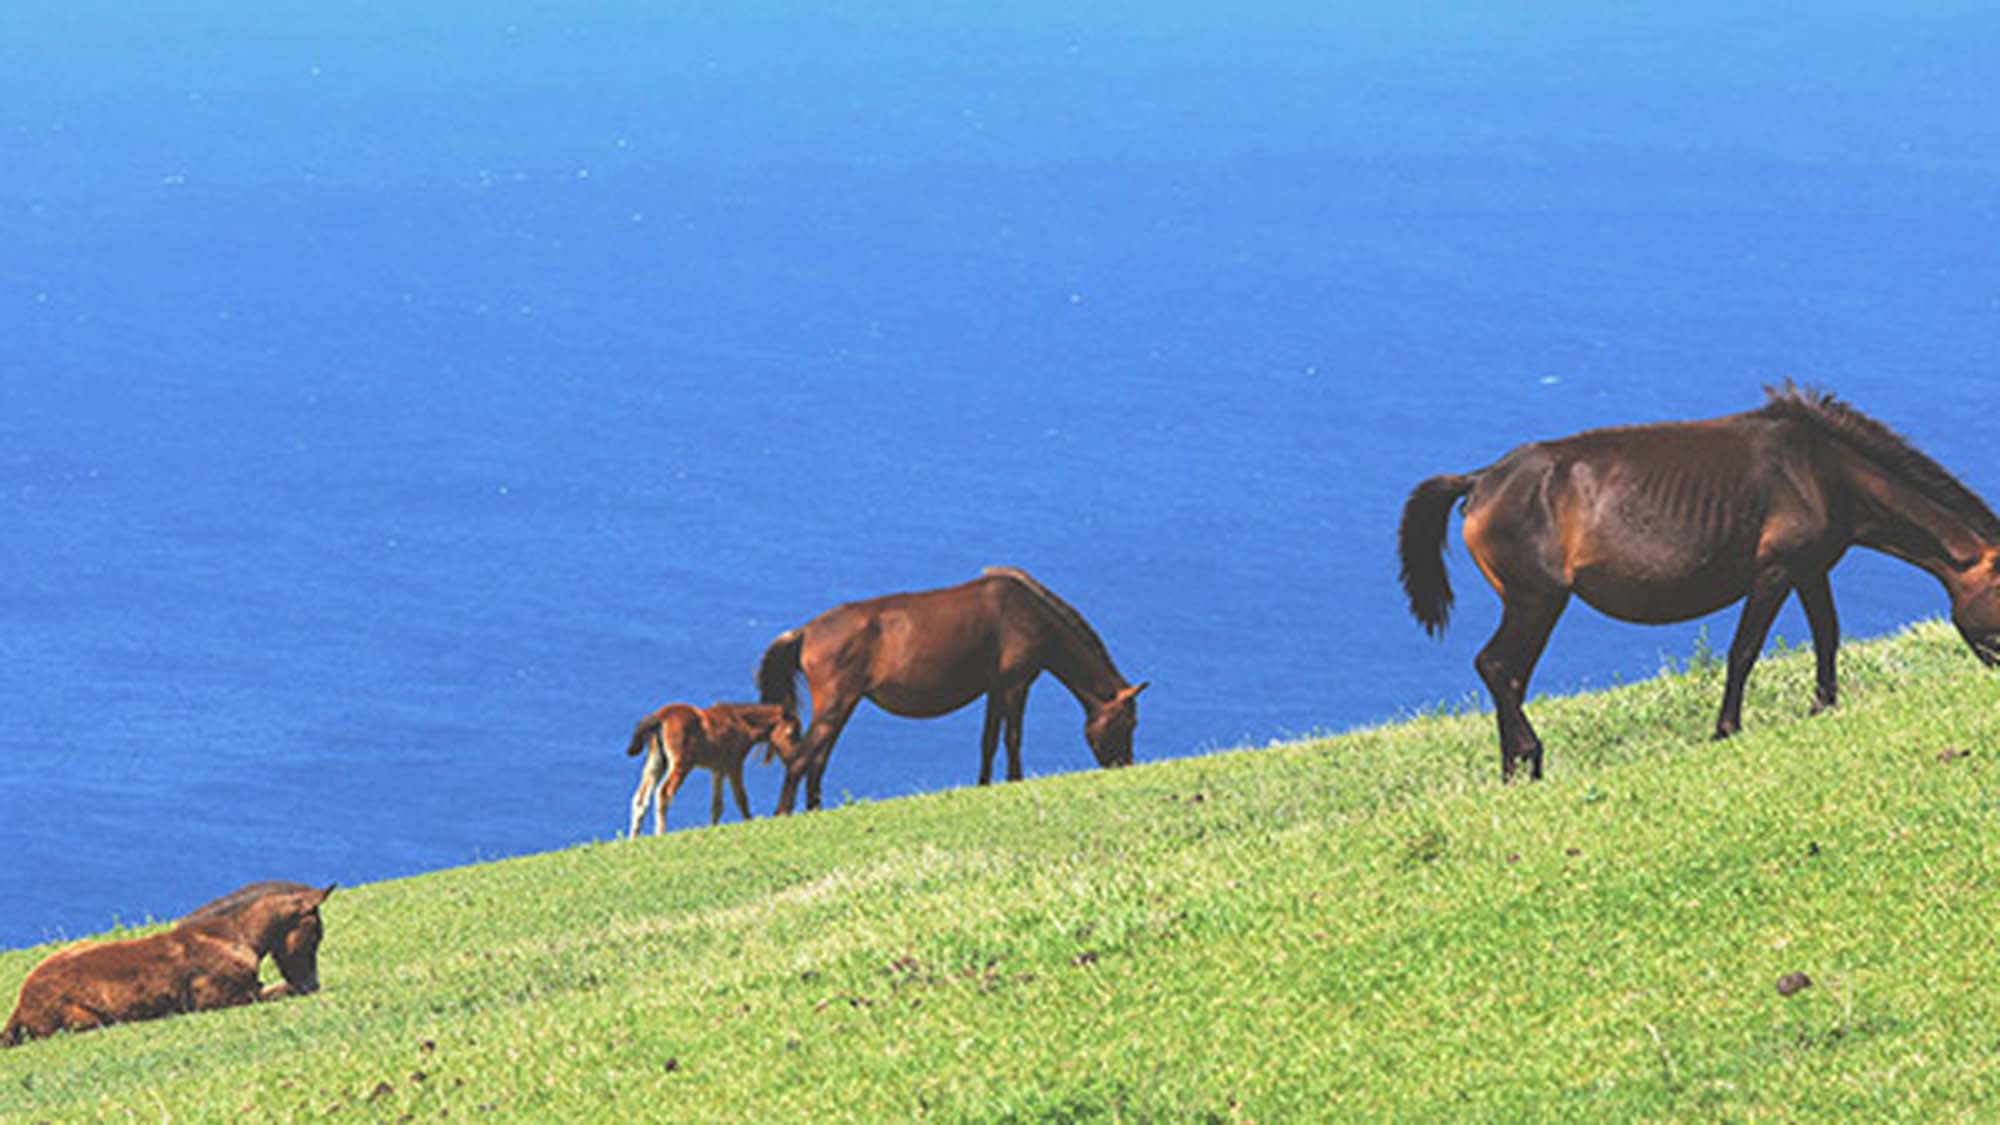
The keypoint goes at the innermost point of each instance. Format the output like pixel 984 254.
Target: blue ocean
pixel 397 401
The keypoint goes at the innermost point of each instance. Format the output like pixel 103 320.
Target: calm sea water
pixel 396 404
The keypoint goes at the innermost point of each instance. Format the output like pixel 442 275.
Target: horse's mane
pixel 1063 611
pixel 1884 446
pixel 242 897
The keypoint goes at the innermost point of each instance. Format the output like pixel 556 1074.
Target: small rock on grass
pixel 1792 983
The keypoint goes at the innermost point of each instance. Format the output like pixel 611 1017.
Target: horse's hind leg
pixel 672 785
pixel 1017 705
pixel 1767 594
pixel 814 749
pixel 989 738
pixel 648 777
pixel 715 797
pixel 1506 663
pixel 1816 596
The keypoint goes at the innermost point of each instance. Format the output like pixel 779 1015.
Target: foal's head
pixel 781 735
pixel 293 936
pixel 1109 728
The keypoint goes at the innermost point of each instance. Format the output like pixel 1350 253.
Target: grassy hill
pixel 1364 926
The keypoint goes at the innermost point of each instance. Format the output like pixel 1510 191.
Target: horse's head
pixel 1975 608
pixel 1109 727
pixel 296 947
pixel 784 738
pixel 781 736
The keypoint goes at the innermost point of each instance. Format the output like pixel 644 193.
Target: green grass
pixel 1366 926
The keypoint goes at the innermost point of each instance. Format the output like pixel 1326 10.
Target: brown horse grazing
pixel 678 738
pixel 208 960
pixel 1672 521
pixel 927 654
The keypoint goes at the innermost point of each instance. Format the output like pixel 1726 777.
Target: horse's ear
pixel 325 894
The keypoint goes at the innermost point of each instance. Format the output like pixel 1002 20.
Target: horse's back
pixel 99 982
pixel 916 620
pixel 1647 523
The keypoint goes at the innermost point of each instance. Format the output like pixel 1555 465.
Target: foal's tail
pixel 644 733
pixel 1425 517
pixel 778 672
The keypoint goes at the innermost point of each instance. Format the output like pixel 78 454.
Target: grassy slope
pixel 1363 926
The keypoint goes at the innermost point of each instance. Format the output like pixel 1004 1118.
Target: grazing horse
pixel 1671 521
pixel 678 738
pixel 208 960
pixel 927 654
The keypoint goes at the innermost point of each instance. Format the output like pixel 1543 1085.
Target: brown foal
pixel 679 738
pixel 208 960
pixel 1668 522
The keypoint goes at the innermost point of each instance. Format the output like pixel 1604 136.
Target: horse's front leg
pixel 736 787
pixel 1816 596
pixel 1767 594
pixel 210 991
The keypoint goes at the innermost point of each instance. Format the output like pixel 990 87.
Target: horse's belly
pixel 924 700
pixel 1654 600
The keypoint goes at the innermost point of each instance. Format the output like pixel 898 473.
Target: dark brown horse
pixel 927 654
pixel 208 960
pixel 679 738
pixel 1672 521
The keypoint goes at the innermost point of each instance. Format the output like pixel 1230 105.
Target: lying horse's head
pixel 296 952
pixel 278 918
pixel 1109 728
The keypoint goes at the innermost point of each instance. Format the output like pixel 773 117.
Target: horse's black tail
pixel 778 672
pixel 1425 516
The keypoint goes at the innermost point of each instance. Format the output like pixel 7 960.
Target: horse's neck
pixel 242 930
pixel 754 722
pixel 1081 668
pixel 1894 517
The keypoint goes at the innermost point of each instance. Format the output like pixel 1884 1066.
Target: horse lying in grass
pixel 1671 521
pixel 927 654
pixel 679 738
pixel 208 960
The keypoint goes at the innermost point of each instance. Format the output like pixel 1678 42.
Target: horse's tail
pixel 1425 516
pixel 645 730
pixel 778 672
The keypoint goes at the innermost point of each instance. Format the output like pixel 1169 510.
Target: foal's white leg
pixel 656 764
